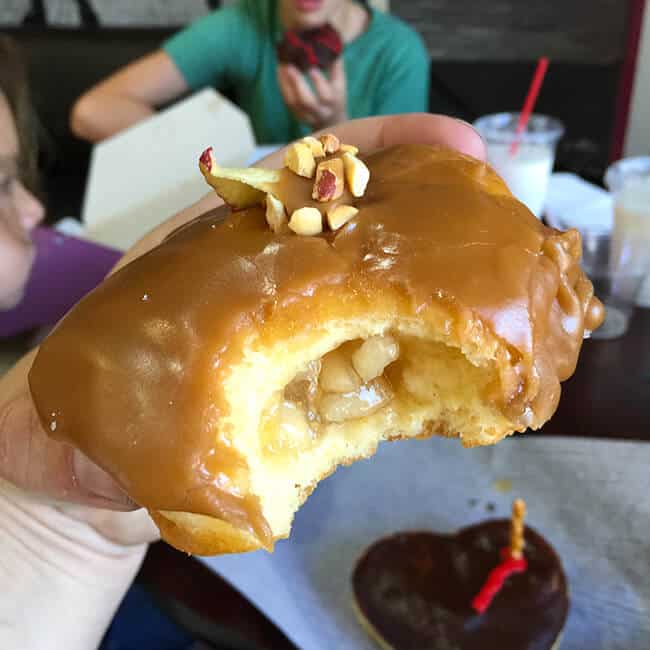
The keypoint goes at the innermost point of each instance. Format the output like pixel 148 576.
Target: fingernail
pixel 96 482
pixel 471 126
pixel 481 155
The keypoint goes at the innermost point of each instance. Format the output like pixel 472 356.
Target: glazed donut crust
pixel 175 363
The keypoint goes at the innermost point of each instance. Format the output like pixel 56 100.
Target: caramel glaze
pixel 133 374
pixel 415 589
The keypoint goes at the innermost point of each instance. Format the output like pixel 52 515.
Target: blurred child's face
pixel 306 14
pixel 20 212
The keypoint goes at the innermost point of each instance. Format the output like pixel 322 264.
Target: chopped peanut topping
pixel 306 221
pixel 244 188
pixel 276 216
pixel 340 215
pixel 356 174
pixel 330 143
pixel 315 145
pixel 300 160
pixel 329 180
pixel 239 188
pixel 349 148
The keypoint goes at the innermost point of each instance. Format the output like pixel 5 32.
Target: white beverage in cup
pixel 526 173
pixel 632 224
pixel 527 170
pixel 629 181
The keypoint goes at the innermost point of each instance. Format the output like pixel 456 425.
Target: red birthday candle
pixel 513 560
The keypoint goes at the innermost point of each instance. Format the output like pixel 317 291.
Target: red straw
pixel 529 104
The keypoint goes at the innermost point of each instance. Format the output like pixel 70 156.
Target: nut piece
pixel 337 374
pixel 356 174
pixel 325 186
pixel 300 160
pixel 276 217
pixel 315 146
pixel 340 215
pixel 349 148
pixel 329 180
pixel 207 159
pixel 239 188
pixel 374 355
pixel 330 143
pixel 306 221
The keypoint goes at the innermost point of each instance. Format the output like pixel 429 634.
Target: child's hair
pixel 14 87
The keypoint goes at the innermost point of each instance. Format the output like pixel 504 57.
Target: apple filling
pixel 346 384
pixel 300 426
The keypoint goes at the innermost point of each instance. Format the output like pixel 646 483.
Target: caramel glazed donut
pixel 224 373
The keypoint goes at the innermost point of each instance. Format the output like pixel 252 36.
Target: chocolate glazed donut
pixel 413 591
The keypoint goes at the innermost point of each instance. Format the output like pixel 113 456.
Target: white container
pixel 629 182
pixel 526 172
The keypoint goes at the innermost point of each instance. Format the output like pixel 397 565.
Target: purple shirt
pixel 65 270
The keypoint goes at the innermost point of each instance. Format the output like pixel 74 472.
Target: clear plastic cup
pixel 616 281
pixel 629 182
pixel 527 172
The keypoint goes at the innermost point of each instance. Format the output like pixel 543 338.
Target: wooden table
pixel 608 396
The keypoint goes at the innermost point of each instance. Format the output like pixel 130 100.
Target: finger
pixel 414 128
pixel 290 75
pixel 127 529
pixel 36 463
pixel 322 86
pixel 310 119
pixel 290 81
pixel 286 86
pixel 306 101
pixel 337 76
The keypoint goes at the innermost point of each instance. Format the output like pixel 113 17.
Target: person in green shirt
pixel 384 70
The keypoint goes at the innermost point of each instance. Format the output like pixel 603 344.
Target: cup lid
pixel 623 171
pixel 502 127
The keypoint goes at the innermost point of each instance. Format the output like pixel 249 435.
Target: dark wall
pixel 63 64
pixel 571 31
pixel 581 95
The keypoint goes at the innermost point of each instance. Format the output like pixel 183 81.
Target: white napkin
pixel 572 202
pixel 588 497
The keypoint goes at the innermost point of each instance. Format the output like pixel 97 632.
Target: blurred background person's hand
pixel 320 106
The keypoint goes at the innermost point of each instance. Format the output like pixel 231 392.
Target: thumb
pixel 36 463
